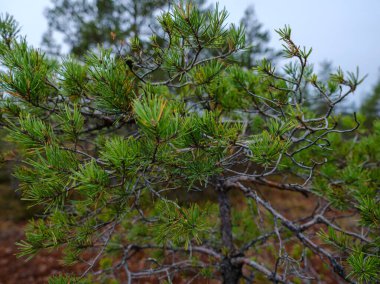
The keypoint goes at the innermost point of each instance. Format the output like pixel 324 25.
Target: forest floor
pixel 13 215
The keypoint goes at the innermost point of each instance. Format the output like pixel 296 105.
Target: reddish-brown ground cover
pixel 41 267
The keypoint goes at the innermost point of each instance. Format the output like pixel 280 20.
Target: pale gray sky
pixel 347 32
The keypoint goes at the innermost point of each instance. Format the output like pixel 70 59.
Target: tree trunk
pixel 231 273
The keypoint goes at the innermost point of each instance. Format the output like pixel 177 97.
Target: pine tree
pixel 257 40
pixel 371 105
pixel 168 152
pixel 86 24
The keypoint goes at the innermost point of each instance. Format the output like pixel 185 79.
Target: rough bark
pixel 231 273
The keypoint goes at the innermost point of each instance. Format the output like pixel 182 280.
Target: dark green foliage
pixel 30 68
pixel 32 132
pixel 364 268
pixel 181 225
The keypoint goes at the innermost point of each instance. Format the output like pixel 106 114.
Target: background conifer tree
pixel 168 152
pixel 371 105
pixel 86 24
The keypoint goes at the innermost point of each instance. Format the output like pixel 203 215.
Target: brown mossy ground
pixel 14 213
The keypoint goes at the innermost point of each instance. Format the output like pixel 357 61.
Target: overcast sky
pixel 346 32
